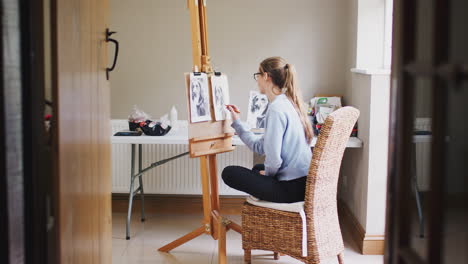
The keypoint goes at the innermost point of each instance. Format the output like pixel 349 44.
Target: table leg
pixel 420 212
pixel 414 183
pixel 142 192
pixel 130 198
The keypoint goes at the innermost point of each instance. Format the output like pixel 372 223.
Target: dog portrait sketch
pixel 258 106
pixel 220 94
pixel 199 98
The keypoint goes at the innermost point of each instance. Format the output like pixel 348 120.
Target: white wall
pixel 351 43
pixel 156 48
pixel 364 171
pixel 378 154
pixel 355 161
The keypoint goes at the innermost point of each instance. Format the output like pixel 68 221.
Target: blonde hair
pixel 284 76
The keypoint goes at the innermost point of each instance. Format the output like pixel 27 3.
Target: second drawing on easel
pixel 199 98
pixel 220 93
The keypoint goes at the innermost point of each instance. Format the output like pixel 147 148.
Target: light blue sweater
pixel 287 154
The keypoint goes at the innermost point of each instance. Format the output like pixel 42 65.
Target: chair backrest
pixel 320 205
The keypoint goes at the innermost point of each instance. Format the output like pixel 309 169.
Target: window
pixel 374 34
pixel 387 59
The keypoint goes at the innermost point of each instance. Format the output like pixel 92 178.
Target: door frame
pixel 23 182
pixel 406 67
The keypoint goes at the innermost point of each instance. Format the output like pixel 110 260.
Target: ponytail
pixel 284 76
pixel 294 94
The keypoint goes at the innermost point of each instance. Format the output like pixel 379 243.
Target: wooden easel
pixel 206 139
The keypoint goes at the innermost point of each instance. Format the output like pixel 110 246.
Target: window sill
pixel 370 71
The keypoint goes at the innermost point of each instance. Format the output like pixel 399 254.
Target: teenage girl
pixel 285 143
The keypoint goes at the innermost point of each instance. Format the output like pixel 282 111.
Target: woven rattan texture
pixel 279 231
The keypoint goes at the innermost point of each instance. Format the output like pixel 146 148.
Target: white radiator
pixel 423 156
pixel 179 176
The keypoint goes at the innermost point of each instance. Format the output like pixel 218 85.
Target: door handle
pixel 116 54
pixel 453 72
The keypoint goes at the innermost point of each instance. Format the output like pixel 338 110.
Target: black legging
pixel 263 187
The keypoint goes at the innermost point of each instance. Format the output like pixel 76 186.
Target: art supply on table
pixel 173 116
pixel 155 128
pixel 319 109
pixel 141 122
pixel 136 117
pixel 323 106
pixel 128 133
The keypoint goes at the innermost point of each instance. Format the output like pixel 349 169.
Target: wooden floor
pixel 162 228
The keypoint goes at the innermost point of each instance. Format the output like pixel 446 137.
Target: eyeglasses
pixel 255 75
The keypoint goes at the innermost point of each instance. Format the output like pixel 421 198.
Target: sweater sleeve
pixel 254 142
pixel 276 123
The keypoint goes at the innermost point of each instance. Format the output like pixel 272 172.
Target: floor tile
pixel 160 229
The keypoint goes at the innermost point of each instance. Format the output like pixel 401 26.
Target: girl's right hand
pixel 235 113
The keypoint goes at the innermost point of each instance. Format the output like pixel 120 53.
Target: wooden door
pixel 427 190
pixel 82 116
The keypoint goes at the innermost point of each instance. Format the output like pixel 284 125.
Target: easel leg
pixel 214 183
pixel 205 190
pixel 222 241
pixel 214 224
pixel 215 218
pixel 207 218
pixel 195 233
pixel 235 227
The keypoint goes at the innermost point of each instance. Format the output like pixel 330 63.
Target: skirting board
pixel 368 244
pixel 175 204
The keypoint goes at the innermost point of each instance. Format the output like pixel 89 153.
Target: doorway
pixel 427 190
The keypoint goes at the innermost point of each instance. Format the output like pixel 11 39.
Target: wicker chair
pixel 277 230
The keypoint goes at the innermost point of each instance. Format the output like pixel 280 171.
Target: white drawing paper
pixel 199 98
pixel 220 94
pixel 258 106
